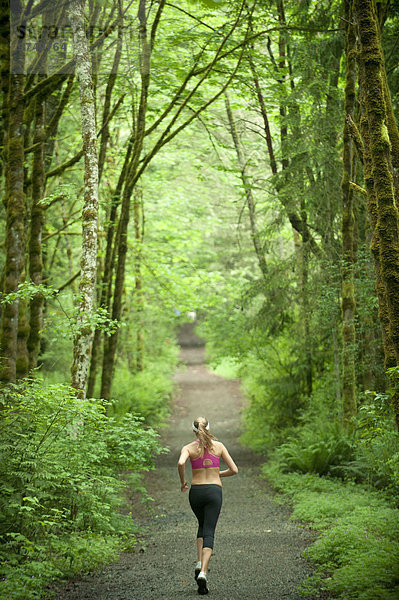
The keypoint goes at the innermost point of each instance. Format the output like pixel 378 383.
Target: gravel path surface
pixel 257 553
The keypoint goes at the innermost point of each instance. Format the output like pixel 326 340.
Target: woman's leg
pixel 197 507
pixel 195 498
pixel 211 515
pixel 199 548
pixel 206 502
pixel 205 558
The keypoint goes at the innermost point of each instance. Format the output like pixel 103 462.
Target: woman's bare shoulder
pixel 191 446
pixel 218 446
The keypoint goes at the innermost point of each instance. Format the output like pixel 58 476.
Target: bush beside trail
pixel 61 489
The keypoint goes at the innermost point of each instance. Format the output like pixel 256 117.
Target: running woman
pixel 206 490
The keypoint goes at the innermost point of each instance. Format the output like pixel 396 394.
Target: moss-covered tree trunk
pixel 387 227
pixel 348 256
pixel 22 363
pixel 138 213
pixel 393 132
pixel 36 230
pixel 4 76
pixel 282 52
pixel 379 181
pixel 383 313
pixel 15 206
pixel 84 334
pixel 304 292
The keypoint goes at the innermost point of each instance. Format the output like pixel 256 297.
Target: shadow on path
pixel 257 548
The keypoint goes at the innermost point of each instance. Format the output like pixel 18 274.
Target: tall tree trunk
pixel 371 59
pixel 390 359
pixel 393 132
pixel 383 313
pixel 4 76
pixel 68 245
pixel 22 362
pixel 337 370
pixel 84 334
pixel 15 206
pixel 379 183
pixel 348 223
pixel 36 230
pixel 138 212
pixel 306 313
pixel 282 81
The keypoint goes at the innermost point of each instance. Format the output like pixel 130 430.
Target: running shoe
pixel 197 570
pixel 202 584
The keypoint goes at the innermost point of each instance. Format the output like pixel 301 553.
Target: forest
pixel 236 159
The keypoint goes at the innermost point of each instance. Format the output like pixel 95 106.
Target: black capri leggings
pixel 206 502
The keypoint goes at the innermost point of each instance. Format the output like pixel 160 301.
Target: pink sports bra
pixel 206 461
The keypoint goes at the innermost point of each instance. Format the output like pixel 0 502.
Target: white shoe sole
pixel 202 586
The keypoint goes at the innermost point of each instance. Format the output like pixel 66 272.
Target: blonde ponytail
pixel 204 437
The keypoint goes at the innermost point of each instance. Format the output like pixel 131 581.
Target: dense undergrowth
pixel 63 464
pixel 357 549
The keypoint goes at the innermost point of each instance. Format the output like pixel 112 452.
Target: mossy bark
pixel 282 52
pixel 4 76
pixel 393 132
pixel 390 359
pixel 36 230
pixel 387 228
pixel 304 293
pixel 83 338
pixel 22 362
pixel 138 212
pixel 15 208
pixel 348 304
pixel 390 356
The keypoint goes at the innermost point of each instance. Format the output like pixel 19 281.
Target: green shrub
pixel 146 394
pixel 277 409
pixel 358 545
pixel 274 399
pixel 60 459
pixel 317 448
pixel 226 367
pixel 377 452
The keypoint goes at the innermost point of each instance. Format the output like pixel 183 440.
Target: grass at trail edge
pixel 357 549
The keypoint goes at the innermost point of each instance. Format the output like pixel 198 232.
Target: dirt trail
pixel 257 553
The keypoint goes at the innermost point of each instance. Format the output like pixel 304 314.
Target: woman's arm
pixel 232 467
pixel 180 467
